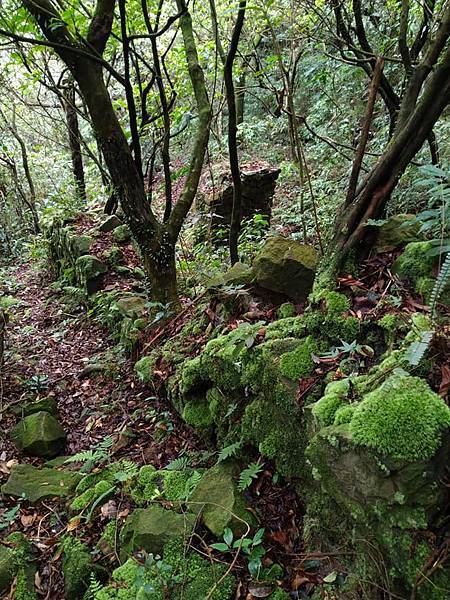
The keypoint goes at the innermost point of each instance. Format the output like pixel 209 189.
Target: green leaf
pixel 331 577
pixel 221 547
pixel 228 536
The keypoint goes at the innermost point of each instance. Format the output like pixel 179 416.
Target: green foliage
pixel 251 546
pixel 325 409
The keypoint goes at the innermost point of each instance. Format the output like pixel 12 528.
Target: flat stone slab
pixel 33 484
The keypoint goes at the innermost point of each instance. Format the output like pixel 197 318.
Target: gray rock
pixel 110 223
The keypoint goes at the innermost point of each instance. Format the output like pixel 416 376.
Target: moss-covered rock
pixel 7 570
pixel 90 271
pixel 397 231
pixel 33 484
pixel 402 419
pixel 109 223
pixel 220 503
pixel 132 305
pixel 100 490
pixel 23 567
pixel 39 434
pixel 122 233
pixel 47 404
pixel 415 262
pixel 77 566
pixel 151 528
pixel 286 266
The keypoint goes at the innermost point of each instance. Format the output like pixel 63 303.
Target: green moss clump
pixel 192 375
pixel 145 368
pixel 23 567
pixel 324 410
pixel 91 495
pixel 286 310
pixel 147 485
pixel 415 262
pixel 197 414
pixel 286 327
pixel 344 414
pixel 175 484
pixel 279 594
pixel 402 419
pixel 299 363
pixel 77 567
pixel 336 304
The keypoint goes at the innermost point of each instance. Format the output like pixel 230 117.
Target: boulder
pixel 286 266
pixel 39 434
pixel 90 271
pixel 78 245
pixel 150 529
pixel 220 502
pixel 7 570
pixel 33 484
pixel 397 231
pixel 110 223
pixel 122 233
pixel 132 306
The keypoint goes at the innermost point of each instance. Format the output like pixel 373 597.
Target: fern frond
pixel 229 451
pixel 416 350
pixel 248 474
pixel 441 282
pixel 178 464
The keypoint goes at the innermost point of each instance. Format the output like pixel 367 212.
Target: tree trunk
pixel 236 214
pixel 421 110
pixel 74 138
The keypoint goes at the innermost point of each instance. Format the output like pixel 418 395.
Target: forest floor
pixel 48 353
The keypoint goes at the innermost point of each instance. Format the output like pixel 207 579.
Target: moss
pixel 402 419
pixel 286 327
pixel 299 363
pixel 279 594
pixel 175 483
pixel 325 409
pixel 145 368
pixel 90 495
pixel 77 567
pixel 197 414
pixel 415 262
pixel 192 375
pixel 336 304
pixel 22 566
pixel 286 310
pixel 344 414
pixel 109 538
pixel 147 485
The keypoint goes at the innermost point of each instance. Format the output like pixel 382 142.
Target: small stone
pixel 39 434
pixel 151 528
pixel 110 223
pixel 33 484
pixel 287 267
pixel 122 233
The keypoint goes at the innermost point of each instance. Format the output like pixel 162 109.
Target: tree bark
pixel 74 138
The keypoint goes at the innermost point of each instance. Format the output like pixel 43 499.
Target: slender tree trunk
pixel 236 213
pixel 73 130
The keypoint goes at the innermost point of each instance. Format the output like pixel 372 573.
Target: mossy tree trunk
pixel 84 58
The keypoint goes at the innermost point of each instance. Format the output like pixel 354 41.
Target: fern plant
pixel 441 282
pixel 93 456
pixel 248 475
